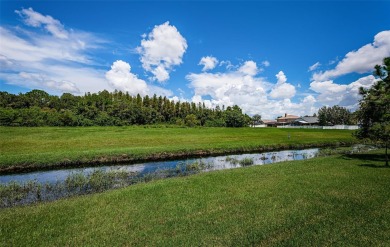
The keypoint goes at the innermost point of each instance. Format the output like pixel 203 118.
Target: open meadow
pixel 43 147
pixel 328 201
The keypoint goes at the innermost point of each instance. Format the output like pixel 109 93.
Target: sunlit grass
pixel 50 146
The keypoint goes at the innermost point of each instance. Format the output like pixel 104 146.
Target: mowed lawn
pixel 45 146
pixel 328 201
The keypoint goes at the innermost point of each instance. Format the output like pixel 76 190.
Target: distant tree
pixel 374 109
pixel 37 98
pixel 234 117
pixel 256 119
pixel 334 115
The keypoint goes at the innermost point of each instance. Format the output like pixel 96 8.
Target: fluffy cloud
pixel 282 89
pixel 331 93
pixel 161 50
pixel 361 61
pixel 314 66
pixel 208 63
pixel 241 86
pixel 122 79
pixel 249 68
pixel 55 60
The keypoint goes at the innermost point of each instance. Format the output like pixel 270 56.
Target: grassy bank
pixel 22 148
pixel 334 200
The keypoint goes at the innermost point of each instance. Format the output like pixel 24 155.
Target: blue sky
pixel 268 57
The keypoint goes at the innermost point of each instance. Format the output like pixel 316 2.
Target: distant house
pixel 270 123
pixel 287 119
pixel 306 121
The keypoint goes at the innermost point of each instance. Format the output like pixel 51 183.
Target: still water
pixel 212 163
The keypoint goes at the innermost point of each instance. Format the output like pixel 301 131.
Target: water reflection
pixel 212 163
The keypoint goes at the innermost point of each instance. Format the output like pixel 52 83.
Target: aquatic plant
pixel 232 160
pixel 246 162
pixel 15 193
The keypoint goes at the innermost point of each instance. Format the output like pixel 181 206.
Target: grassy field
pixel 328 201
pixel 50 146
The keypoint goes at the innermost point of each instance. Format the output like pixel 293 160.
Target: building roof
pixel 269 121
pixel 307 120
pixel 287 116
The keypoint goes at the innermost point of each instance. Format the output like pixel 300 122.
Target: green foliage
pixel 246 162
pixel 38 108
pixel 218 122
pixel 334 115
pixel 374 108
pixel 235 118
pixel 191 120
pixel 256 119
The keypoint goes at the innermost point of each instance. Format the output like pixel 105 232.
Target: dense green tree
pixel 256 119
pixel 334 115
pixel 374 109
pixel 234 117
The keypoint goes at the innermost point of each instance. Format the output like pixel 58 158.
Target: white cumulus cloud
pixel 241 86
pixel 161 50
pixel 208 63
pixel 121 78
pixel 330 93
pixel 249 68
pixel 361 61
pixel 282 89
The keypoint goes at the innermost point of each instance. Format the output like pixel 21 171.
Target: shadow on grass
pixel 374 166
pixel 367 158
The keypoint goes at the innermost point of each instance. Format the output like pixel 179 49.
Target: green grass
pixel 327 201
pixel 50 146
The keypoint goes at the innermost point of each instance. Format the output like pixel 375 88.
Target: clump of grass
pixel 232 160
pixel 195 167
pixel 246 162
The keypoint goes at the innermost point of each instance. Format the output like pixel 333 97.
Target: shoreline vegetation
pixel 338 199
pixel 43 148
pixel 92 180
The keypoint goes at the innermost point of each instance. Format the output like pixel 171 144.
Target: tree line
pixel 38 108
